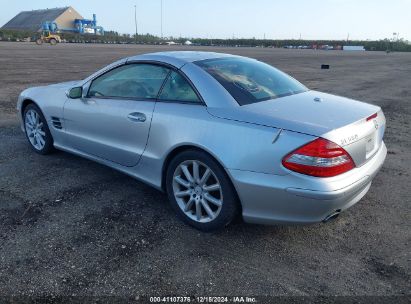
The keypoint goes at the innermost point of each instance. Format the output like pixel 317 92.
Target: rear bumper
pixel 299 199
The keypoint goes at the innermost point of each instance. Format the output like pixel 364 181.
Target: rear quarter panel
pixel 236 145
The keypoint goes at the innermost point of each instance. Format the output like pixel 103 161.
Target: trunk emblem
pixel 349 139
pixel 317 99
pixel 375 124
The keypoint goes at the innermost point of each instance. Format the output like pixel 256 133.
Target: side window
pixel 178 88
pixel 131 81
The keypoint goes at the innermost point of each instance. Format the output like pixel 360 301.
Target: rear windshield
pixel 250 81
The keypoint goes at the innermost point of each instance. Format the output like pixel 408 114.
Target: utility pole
pixel 161 17
pixel 135 20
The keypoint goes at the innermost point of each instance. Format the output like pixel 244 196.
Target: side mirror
pixel 76 92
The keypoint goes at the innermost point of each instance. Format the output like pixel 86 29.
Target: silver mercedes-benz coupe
pixel 221 134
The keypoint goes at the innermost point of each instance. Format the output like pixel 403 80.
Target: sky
pixel 275 19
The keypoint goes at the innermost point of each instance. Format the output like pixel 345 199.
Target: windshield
pixel 249 80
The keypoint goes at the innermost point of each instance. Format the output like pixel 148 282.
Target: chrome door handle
pixel 137 117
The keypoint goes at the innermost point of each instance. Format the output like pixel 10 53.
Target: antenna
pixel 135 20
pixel 161 18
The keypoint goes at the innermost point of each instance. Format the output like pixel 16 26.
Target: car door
pixel 179 110
pixel 113 120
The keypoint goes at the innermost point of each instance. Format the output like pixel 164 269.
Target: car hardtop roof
pixel 179 58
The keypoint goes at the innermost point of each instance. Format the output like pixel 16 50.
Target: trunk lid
pixel 339 119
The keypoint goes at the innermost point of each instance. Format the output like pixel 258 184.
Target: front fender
pixel 50 100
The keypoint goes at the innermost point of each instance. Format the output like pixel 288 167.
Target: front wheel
pixel 37 131
pixel 200 191
pixel 39 41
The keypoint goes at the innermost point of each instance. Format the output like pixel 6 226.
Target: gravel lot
pixel 69 226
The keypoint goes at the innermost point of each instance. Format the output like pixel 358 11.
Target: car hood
pixel 57 86
pixel 310 112
pixel 65 85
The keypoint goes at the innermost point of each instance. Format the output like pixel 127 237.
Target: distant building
pixel 64 19
pixel 188 42
pixel 353 48
pixel 32 20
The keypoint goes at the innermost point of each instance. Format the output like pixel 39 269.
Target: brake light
pixel 321 158
pixel 372 116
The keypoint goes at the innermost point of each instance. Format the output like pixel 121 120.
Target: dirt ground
pixel 69 226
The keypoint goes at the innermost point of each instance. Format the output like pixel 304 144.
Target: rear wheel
pixel 200 191
pixel 53 41
pixel 37 131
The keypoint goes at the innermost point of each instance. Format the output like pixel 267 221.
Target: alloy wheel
pixel 197 191
pixel 35 129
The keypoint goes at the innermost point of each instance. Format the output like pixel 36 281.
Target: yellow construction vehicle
pixel 48 37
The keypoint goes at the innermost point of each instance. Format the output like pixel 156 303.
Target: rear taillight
pixel 321 158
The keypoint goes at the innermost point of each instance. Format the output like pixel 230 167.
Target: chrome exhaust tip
pixel 332 216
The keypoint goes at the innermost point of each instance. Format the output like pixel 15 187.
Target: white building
pixel 353 48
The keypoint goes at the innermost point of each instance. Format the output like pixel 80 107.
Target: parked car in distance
pixel 222 135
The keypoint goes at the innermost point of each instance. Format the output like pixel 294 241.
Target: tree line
pixel 114 37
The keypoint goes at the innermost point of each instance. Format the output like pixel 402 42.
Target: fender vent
pixel 56 122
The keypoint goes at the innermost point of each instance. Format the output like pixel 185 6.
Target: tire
pixel 35 127
pixel 53 41
pixel 39 41
pixel 218 205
